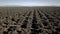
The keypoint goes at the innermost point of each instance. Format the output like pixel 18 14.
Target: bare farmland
pixel 42 20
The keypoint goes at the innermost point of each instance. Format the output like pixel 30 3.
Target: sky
pixel 29 2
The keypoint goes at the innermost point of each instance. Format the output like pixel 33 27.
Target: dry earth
pixel 29 20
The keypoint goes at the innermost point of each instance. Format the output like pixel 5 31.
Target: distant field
pixel 29 20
